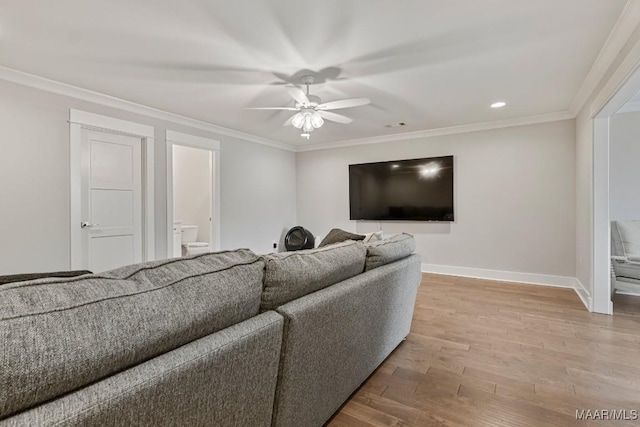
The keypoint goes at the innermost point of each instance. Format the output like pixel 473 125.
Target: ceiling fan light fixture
pixel 298 120
pixel 308 125
pixel 311 113
pixel 316 121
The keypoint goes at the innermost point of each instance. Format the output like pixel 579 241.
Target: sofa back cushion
pixel 57 335
pixel 290 275
pixel 33 276
pixel 389 250
pixel 626 238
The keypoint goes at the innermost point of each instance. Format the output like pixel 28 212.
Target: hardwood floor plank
pixel 485 353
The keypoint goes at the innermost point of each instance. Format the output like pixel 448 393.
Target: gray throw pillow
pixel 337 235
pixel 389 250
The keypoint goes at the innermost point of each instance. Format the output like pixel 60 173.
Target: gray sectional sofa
pixel 224 339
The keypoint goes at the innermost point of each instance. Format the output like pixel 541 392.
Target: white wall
pixel 624 161
pixel 259 192
pixel 257 182
pixel 514 196
pixel 192 185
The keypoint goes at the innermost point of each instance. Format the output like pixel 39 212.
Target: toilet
pixel 189 244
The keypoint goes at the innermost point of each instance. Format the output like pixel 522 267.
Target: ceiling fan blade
pixel 271 108
pixel 344 103
pixel 298 94
pixel 335 117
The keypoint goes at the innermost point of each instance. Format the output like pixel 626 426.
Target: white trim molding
pixel 37 82
pixel 109 124
pixel 513 277
pixel 624 27
pixel 178 138
pixel 583 294
pixel 473 127
pixel 621 86
pixel 149 209
pixel 501 276
pixel 79 120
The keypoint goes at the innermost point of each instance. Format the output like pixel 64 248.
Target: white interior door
pixel 111 200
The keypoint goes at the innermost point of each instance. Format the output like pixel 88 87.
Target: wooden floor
pixel 626 304
pixel 485 353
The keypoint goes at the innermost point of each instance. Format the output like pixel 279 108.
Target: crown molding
pixel 37 82
pixel 620 87
pixel 41 83
pixel 473 127
pixel 622 30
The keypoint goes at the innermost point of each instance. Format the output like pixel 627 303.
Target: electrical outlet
pixel 275 245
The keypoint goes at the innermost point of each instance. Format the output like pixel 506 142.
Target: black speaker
pixel 299 238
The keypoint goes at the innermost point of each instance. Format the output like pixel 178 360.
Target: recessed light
pixel 498 104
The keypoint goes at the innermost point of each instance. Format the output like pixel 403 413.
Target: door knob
pixel 87 225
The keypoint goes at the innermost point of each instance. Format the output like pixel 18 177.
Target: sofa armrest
pixel 227 378
pixel 336 337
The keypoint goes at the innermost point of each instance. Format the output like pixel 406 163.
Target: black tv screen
pixel 404 190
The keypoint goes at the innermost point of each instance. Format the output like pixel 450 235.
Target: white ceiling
pixel 429 63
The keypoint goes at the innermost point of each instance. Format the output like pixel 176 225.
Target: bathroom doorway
pixel 192 195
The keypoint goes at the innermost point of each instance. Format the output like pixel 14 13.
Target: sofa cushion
pixel 57 335
pixel 337 235
pixel 629 235
pixel 388 250
pixel 33 276
pixel 290 275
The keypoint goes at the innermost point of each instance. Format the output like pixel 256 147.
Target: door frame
pixel 178 138
pixel 79 120
pixel 601 249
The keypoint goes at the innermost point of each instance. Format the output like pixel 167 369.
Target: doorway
pixel 624 207
pixel 603 279
pixel 111 192
pixel 193 195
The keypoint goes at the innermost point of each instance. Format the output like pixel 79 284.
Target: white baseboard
pixel 513 276
pixel 501 276
pixel 583 294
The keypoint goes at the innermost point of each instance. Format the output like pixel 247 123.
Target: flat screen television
pixel 403 190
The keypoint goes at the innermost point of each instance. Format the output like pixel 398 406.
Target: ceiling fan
pixel 310 112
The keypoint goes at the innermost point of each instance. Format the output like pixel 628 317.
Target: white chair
pixel 625 257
